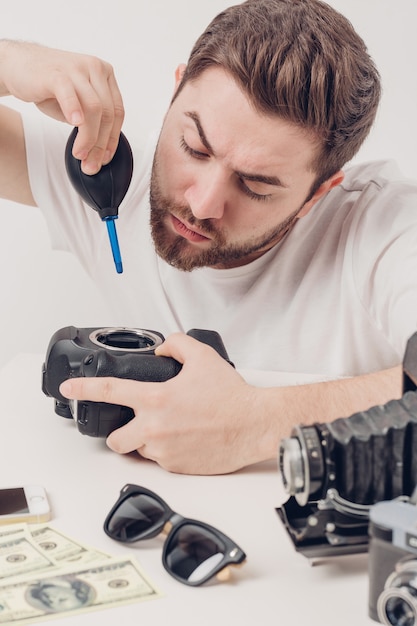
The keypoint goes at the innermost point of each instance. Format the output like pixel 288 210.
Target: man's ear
pixel 324 188
pixel 179 73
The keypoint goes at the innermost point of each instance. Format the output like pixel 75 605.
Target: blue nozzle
pixel 114 243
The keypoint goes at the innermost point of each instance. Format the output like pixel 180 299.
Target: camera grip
pixel 142 367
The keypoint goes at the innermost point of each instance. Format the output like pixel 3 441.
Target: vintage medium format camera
pixel 120 352
pixel 334 472
pixel 393 563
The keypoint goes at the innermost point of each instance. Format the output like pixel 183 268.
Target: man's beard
pixel 180 253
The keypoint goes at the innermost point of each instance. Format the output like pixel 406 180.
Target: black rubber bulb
pixel 105 190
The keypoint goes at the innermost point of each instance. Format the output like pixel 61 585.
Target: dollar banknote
pixel 63 549
pixel 20 555
pixel 14 529
pixel 105 585
pixel 24 549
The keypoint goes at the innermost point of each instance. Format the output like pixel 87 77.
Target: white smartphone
pixel 24 504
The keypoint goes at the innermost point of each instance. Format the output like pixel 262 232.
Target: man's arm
pixel 74 88
pixel 14 179
pixel 208 420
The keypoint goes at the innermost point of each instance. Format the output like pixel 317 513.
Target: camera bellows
pixel 368 457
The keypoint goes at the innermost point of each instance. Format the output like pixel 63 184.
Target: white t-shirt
pixel 337 297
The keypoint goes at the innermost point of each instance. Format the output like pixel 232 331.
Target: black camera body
pixel 393 562
pixel 119 352
pixel 335 472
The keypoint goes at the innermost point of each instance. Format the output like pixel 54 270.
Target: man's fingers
pixel 90 99
pixel 181 347
pixel 125 439
pixel 118 118
pixel 112 391
pixel 104 114
pixel 106 389
pixel 66 96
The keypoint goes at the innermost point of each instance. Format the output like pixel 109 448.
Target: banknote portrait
pixel 56 595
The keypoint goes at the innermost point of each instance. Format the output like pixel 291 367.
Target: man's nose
pixel 206 196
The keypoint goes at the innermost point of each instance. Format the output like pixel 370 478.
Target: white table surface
pixel 83 478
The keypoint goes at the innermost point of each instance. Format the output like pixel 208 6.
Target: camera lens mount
pixel 125 339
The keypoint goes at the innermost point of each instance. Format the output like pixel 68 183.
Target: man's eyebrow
pixel 203 138
pixel 257 178
pixel 260 178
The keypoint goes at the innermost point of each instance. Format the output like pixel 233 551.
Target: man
pixel 306 270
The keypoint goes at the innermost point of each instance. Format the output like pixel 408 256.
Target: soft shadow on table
pixel 351 564
pixel 266 467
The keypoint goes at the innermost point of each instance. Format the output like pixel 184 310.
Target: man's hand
pixel 208 420
pixel 199 422
pixel 76 88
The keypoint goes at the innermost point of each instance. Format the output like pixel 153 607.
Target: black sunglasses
pixel 193 551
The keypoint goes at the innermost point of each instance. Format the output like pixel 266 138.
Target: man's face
pixel 227 181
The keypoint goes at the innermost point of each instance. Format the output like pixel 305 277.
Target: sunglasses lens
pixel 134 517
pixel 193 553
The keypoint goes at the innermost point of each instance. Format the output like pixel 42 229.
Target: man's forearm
pixel 323 402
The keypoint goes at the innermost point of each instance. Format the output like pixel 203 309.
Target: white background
pixel 43 290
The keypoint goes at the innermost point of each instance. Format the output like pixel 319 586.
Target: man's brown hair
pixel 302 61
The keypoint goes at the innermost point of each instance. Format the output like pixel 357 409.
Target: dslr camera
pixel 120 352
pixel 335 472
pixel 393 563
